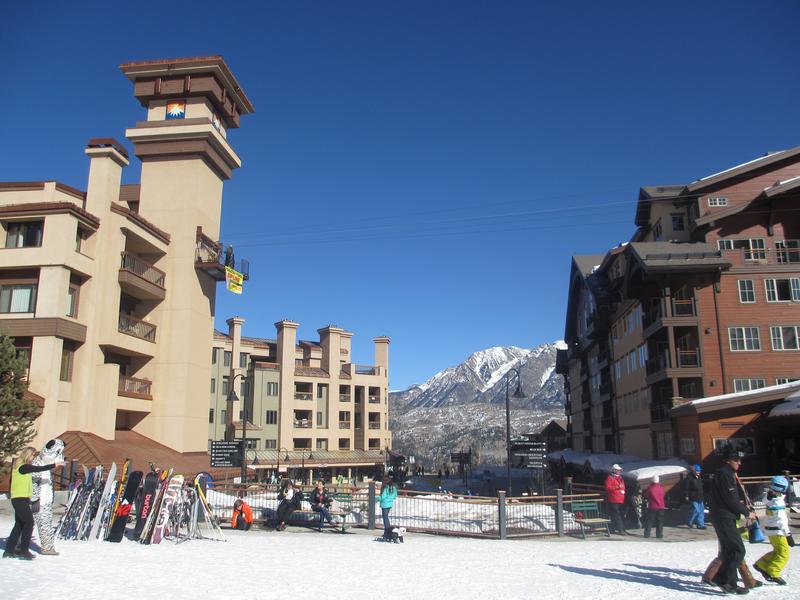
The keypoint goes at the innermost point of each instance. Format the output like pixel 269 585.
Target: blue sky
pixel 425 169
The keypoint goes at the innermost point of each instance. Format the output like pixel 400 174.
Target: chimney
pixel 329 340
pixel 107 157
pixel 382 352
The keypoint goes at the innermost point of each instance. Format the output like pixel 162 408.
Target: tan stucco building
pixel 110 292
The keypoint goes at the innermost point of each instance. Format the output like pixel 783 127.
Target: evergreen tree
pixel 16 412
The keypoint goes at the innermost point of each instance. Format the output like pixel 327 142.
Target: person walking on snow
pixel 693 494
pixel 776 524
pixel 615 496
pixel 655 508
pixel 386 499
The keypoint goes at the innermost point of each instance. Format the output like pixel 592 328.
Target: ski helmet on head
pixel 779 484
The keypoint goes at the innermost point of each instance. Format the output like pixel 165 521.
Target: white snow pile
pixel 633 467
pixel 301 564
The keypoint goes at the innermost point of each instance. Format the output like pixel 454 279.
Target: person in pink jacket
pixel 656 506
pixel 615 496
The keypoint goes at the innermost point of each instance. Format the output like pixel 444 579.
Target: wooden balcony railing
pixel 134 264
pixel 140 329
pixel 134 386
pixel 689 358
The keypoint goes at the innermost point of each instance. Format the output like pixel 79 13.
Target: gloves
pixel 790 541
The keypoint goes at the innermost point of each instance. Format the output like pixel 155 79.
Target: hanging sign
pixel 233 280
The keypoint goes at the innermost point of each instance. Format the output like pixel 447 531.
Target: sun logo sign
pixel 176 109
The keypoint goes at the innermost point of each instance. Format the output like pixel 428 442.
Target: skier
pixel 21 492
pixel 52 453
pixel 693 494
pixel 242 517
pixel 386 500
pixel 780 536
pixel 655 508
pixel 726 506
pixel 290 499
pixel 615 496
pixel 321 502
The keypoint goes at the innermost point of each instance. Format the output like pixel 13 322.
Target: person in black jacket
pixel 726 506
pixel 321 502
pixel 693 494
pixel 290 499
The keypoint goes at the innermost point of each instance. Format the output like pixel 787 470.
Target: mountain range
pixel 463 406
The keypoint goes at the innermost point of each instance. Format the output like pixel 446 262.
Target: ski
pixel 105 499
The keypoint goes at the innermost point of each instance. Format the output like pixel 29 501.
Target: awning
pixel 788 408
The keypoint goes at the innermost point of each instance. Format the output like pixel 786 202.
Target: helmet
pixel 697 468
pixel 779 484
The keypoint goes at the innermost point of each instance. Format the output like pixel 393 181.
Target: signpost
pixel 534 456
pixel 226 454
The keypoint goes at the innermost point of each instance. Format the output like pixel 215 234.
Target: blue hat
pixel 697 468
pixel 779 484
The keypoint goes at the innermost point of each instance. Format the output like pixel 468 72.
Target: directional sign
pixel 226 454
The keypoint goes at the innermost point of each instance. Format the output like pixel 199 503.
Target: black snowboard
pixel 124 508
pixel 146 504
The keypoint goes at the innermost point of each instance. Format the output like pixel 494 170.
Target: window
pixel 747 291
pixel 788 251
pixel 344 444
pixel 643 355
pixel 252 444
pixel 213 386
pixel 270 444
pixel 718 201
pixel 657 231
pixel 617 370
pixel 744 339
pixel 243 358
pixel 272 389
pixel 322 444
pixel 24 234
pixel 213 356
pixel 80 236
pixel 210 415
pixel 67 358
pixel 18 298
pixel 322 391
pixel 225 386
pixel 780 380
pixel 664 448
pixel 754 249
pixel 784 338
pixel 783 290
pixel 23 347
pixel 746 445
pixel 72 301
pixel 226 362
pixel 319 419
pixel 271 417
pixel 677 223
pixel 374 443
pixel 687 446
pixel 223 416
pixel 743 385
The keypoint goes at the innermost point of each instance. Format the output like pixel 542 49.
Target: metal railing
pixel 365 369
pixel 132 385
pixel 140 329
pixel 374 425
pixel 344 424
pixel 146 271
pixel 303 396
pixel 657 363
pixel 375 399
pixel 689 358
pixel 759 256
pixel 684 307
pixel 344 397
pixel 302 424
pixel 659 412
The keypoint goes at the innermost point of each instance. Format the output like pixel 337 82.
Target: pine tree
pixel 17 413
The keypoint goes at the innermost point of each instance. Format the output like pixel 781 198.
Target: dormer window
pixel 717 201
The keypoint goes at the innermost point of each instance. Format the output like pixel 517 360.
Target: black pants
pixel 654 515
pixel 731 549
pixel 23 526
pixel 242 524
pixel 285 510
pixel 615 514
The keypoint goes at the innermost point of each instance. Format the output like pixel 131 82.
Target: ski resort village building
pixel 702 303
pixel 304 404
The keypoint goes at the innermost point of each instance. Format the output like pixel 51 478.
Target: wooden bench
pixel 345 502
pixel 590 517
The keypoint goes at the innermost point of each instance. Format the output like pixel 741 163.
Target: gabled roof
pixel 743 169
pixel 587 263
pixel 649 193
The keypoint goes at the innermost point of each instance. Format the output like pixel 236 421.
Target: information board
pixel 226 454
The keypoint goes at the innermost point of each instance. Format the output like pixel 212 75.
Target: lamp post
pixel 517 394
pixel 303 460
pixel 232 397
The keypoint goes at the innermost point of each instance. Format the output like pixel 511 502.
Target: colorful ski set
pixel 167 507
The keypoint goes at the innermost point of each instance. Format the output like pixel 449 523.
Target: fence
pixel 468 516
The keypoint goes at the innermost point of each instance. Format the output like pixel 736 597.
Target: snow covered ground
pixel 295 564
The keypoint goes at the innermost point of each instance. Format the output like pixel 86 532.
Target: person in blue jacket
pixel 386 499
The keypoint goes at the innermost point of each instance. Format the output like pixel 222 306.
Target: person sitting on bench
pixel 290 499
pixel 321 502
pixel 242 517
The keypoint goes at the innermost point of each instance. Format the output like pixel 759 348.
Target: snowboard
pixel 160 531
pixel 163 481
pixel 117 530
pixel 105 499
pixel 126 468
pixel 146 505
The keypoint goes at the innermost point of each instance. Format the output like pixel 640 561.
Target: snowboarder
pixel 771 565
pixel 615 496
pixel 53 452
pixel 655 508
pixel 726 506
pixel 693 494
pixel 21 492
pixel 242 517
pixel 386 499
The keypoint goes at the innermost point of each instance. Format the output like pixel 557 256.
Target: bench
pixel 345 502
pixel 589 511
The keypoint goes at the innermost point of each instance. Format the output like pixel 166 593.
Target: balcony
pixel 754 257
pixel 306 396
pixel 688 359
pixel 134 388
pixel 344 424
pixel 375 399
pixel 210 258
pixel 344 397
pixel 141 279
pixel 366 370
pixel 659 413
pixel 683 311
pixel 136 328
pixel 374 425
pixel 302 424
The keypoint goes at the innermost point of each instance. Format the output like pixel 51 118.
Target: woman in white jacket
pixel 776 524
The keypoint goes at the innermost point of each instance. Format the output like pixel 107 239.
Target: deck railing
pixel 134 264
pixel 132 385
pixel 137 328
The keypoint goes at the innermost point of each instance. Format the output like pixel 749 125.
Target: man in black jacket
pixel 726 506
pixel 693 494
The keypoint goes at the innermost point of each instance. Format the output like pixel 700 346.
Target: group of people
pixel 290 498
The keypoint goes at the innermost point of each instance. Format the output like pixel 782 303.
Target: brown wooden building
pixel 704 300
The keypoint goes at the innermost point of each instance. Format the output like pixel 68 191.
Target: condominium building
pixel 109 292
pixel 703 301
pixel 300 402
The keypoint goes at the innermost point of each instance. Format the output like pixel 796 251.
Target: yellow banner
pixel 233 280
